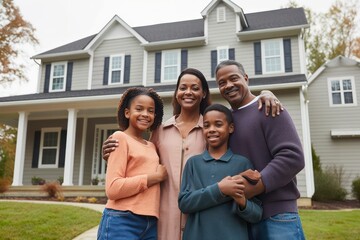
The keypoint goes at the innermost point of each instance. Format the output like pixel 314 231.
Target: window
pixel 49 147
pixel 342 91
pixel 58 77
pixel 272 56
pixel 170 65
pixel 116 69
pixel 222 54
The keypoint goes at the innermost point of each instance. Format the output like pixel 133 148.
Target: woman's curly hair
pixel 126 100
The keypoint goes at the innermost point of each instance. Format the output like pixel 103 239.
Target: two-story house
pixel 61 128
pixel 334 111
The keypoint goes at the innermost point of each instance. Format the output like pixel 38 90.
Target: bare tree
pixel 14 32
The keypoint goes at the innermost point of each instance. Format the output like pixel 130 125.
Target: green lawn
pixel 44 221
pixel 331 224
pixel 51 221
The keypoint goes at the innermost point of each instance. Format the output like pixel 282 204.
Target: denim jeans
pixel 283 226
pixel 125 225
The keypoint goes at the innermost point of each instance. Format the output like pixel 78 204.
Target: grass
pixel 44 221
pixel 51 221
pixel 331 224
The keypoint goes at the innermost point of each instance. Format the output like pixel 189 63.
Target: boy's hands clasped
pixel 234 187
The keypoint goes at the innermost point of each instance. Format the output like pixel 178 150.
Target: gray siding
pixel 341 152
pixel 80 74
pixel 127 46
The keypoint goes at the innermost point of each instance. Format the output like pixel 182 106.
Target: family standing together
pixel 188 177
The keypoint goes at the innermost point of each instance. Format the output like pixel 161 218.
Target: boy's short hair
pixel 220 108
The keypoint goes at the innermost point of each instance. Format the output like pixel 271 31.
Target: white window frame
pixel 97 150
pixel 226 50
pixel 57 147
pixel 177 65
pixel 121 69
pixel 341 79
pixel 280 56
pixel 51 87
pixel 221 14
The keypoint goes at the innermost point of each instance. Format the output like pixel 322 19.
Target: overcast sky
pixel 58 22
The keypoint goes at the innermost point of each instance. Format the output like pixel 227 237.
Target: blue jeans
pixel 125 225
pixel 283 226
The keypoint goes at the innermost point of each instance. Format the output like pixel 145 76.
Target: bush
pixel 53 189
pixel 355 187
pixel 37 181
pixel 4 185
pixel 328 185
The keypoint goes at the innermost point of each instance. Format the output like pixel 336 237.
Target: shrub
pixel 328 185
pixel 4 185
pixel 37 181
pixel 92 200
pixel 355 187
pixel 53 189
pixel 81 199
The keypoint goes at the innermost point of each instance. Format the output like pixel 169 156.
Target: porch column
pixel 82 155
pixel 20 149
pixel 70 147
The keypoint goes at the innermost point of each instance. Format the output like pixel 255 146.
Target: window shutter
pixel 231 53
pixel 127 68
pixel 257 57
pixel 36 149
pixel 47 78
pixel 62 148
pixel 287 55
pixel 106 71
pixel 69 76
pixel 184 59
pixel 213 62
pixel 157 67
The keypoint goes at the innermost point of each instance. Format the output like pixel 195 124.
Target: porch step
pixel 67 191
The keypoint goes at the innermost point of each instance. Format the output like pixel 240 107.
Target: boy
pixel 214 201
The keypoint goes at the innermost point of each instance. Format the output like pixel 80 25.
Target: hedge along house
pixel 61 128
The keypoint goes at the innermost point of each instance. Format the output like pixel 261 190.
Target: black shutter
pixel 213 62
pixel 184 59
pixel 231 53
pixel 287 55
pixel 106 71
pixel 127 68
pixel 62 148
pixel 69 76
pixel 157 67
pixel 47 78
pixel 257 58
pixel 36 149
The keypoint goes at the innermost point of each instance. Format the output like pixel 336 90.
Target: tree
pixel 332 34
pixel 14 32
pixel 7 151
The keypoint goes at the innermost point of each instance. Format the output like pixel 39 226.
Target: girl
pixel 133 170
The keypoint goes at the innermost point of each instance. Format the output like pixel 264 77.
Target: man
pixel 273 146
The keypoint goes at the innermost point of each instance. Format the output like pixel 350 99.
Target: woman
pixel 179 138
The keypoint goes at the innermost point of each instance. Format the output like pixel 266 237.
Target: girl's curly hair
pixel 126 100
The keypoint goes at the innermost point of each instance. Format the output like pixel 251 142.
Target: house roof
pixel 335 62
pixel 281 18
pixel 262 81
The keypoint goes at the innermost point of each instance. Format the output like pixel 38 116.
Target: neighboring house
pixel 334 111
pixel 80 83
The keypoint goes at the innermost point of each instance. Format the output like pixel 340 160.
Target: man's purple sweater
pixel 273 146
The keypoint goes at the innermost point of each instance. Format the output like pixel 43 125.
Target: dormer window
pixel 116 69
pixel 58 77
pixel 221 16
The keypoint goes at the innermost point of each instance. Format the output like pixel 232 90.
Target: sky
pixel 58 22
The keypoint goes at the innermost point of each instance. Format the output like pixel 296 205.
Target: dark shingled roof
pixel 171 31
pixel 285 17
pixel 159 89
